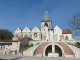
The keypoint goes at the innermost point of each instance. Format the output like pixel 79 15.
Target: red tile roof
pixel 66 31
pixel 30 29
pixel 40 29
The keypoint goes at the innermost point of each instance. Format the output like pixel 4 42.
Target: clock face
pixel 35 34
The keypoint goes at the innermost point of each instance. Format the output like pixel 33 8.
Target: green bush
pixel 77 45
pixel 59 40
pixel 37 43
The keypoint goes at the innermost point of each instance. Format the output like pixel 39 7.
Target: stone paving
pixel 7 57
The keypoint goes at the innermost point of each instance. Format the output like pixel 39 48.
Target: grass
pixel 25 48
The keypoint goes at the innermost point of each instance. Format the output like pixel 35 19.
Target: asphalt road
pixel 7 57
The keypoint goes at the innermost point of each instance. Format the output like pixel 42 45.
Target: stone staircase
pixel 66 48
pixel 40 48
pixel 27 52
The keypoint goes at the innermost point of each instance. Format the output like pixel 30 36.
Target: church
pixel 46 41
pixel 45 33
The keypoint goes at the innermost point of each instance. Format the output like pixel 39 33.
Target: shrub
pixel 59 40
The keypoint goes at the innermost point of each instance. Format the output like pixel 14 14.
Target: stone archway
pixel 48 50
pixel 58 50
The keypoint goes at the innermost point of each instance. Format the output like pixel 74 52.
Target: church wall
pixel 28 33
pixel 36 38
pixel 17 30
pixel 57 31
pixel 26 29
pixel 69 36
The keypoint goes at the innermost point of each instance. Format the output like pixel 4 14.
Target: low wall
pixel 78 54
pixel 69 56
pixel 33 42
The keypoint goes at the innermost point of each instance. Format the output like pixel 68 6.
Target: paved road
pixel 6 57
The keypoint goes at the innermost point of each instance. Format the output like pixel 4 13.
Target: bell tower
pixel 46 20
pixel 45 25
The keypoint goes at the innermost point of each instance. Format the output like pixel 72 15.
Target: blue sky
pixel 22 13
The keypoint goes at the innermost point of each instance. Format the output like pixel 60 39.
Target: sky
pixel 22 13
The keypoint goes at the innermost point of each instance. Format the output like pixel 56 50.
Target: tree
pixel 5 34
pixel 74 24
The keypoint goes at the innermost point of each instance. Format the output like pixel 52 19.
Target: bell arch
pixel 46 24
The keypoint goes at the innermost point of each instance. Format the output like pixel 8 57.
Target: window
pixel 66 37
pixel 26 29
pixel 46 24
pixel 3 47
pixel 7 46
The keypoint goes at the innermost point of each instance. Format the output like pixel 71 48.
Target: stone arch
pixel 44 51
pixel 62 50
pixel 66 37
pixel 53 44
pixel 63 47
pixel 48 50
pixel 58 50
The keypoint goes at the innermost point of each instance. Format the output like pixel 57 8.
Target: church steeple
pixel 46 17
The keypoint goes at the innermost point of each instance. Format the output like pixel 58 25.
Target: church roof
pixel 46 17
pixel 50 25
pixel 66 31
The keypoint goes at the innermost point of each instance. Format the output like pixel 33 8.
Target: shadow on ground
pixel 11 59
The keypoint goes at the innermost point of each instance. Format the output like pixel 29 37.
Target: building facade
pixel 46 32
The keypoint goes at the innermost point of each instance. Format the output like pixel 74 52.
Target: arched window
pixel 16 35
pixel 66 37
pixel 26 35
pixel 46 24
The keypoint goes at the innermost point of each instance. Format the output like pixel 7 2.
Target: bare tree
pixel 74 24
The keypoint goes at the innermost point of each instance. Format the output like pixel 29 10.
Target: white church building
pixel 46 32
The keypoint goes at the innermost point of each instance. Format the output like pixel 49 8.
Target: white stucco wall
pixel 69 36
pixel 57 31
pixel 25 30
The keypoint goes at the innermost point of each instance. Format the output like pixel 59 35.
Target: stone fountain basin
pixel 53 55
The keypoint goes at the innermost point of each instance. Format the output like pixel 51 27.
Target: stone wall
pixel 23 43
